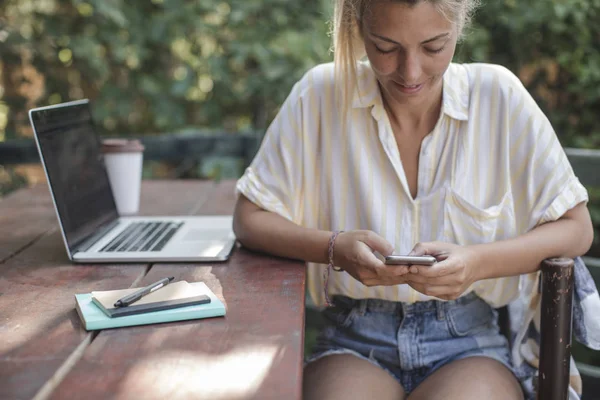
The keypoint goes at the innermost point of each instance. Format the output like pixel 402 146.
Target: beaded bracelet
pixel 330 265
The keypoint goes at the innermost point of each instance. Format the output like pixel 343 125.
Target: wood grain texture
pixel 220 200
pixel 556 328
pixel 254 352
pixel 179 197
pixel 39 327
pixel 25 215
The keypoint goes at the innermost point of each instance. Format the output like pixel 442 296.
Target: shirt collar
pixel 366 90
pixel 455 97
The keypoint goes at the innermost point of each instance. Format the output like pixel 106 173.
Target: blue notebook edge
pixel 93 318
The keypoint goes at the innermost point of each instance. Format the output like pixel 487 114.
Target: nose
pixel 409 68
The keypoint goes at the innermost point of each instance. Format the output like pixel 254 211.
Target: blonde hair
pixel 348 45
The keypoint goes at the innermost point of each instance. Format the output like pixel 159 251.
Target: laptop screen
pixel 74 165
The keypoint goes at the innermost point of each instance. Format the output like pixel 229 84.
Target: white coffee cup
pixel 124 159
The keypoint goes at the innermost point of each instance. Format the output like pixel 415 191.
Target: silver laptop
pixel 92 230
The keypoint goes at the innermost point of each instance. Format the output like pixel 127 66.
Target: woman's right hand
pixel 354 253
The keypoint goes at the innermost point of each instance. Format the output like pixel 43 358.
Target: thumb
pixel 427 249
pixel 378 243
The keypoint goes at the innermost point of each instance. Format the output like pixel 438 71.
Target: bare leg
pixel 344 376
pixel 470 378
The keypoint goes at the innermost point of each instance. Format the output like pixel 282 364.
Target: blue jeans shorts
pixel 411 341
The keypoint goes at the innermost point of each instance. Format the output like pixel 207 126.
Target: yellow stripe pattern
pixel 491 169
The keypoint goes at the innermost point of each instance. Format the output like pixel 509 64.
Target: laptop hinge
pixel 88 242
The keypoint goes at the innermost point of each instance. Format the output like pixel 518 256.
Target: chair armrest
pixel 556 325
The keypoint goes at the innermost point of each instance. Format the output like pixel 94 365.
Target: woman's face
pixel 409 48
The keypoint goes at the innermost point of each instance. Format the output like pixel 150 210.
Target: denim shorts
pixel 411 341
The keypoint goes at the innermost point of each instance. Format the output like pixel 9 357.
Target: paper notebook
pixel 173 295
pixel 94 318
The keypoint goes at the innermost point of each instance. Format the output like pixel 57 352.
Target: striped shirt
pixel 491 169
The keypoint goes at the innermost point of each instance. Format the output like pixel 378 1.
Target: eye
pixel 435 51
pixel 382 51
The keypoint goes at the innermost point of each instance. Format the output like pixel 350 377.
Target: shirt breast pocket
pixel 466 223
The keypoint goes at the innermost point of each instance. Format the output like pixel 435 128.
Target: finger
pixel 384 274
pixel 385 281
pixel 398 280
pixel 395 270
pixel 421 249
pixel 446 292
pixel 436 249
pixel 436 270
pixel 385 271
pixel 368 258
pixel 451 279
pixel 377 243
pixel 366 266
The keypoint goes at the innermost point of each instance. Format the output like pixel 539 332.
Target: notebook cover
pixel 172 295
pixel 172 291
pixel 94 318
pixel 150 307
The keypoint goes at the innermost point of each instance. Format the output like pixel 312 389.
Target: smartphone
pixel 410 260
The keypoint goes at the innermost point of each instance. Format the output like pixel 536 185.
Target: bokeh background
pixel 167 67
pixel 153 66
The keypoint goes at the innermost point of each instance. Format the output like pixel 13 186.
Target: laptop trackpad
pixel 194 235
pixel 202 242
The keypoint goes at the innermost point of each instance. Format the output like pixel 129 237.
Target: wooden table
pixel 254 352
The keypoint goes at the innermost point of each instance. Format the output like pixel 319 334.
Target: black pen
pixel 135 296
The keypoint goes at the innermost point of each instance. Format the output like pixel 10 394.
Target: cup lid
pixel 122 146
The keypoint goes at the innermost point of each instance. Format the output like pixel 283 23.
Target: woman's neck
pixel 417 118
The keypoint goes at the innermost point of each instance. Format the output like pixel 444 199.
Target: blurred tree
pixel 168 65
pixel 552 45
pixel 156 66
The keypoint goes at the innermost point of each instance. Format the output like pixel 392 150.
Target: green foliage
pixel 218 168
pixel 166 65
pixel 163 65
pixel 553 46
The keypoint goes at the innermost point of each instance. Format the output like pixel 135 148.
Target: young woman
pixel 404 152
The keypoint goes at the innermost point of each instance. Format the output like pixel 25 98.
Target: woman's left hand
pixel 450 276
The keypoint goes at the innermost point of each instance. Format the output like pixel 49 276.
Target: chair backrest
pixel 586 164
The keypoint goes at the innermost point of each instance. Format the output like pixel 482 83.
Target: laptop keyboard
pixel 143 236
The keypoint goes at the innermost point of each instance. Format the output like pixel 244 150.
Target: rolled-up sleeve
pixel 544 184
pixel 273 181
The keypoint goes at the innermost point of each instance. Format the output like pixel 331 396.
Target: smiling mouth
pixel 409 89
pixel 409 86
